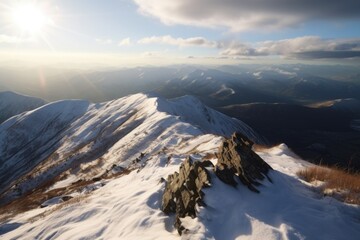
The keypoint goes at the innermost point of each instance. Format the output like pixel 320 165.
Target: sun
pixel 30 19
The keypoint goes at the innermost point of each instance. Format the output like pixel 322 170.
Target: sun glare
pixel 30 19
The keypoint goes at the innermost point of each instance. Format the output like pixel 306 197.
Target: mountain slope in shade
pixel 66 139
pixel 217 88
pixel 128 207
pixel 322 135
pixel 12 104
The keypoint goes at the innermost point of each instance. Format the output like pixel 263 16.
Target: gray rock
pixel 237 159
pixel 183 191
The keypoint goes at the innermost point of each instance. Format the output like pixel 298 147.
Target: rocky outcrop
pixel 183 190
pixel 237 159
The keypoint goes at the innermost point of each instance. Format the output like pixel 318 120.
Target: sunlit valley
pixel 141 119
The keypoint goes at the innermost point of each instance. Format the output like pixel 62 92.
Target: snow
pixel 153 136
pixel 129 208
pixel 257 75
pixel 225 91
pixel 70 137
pixel 63 183
pixel 285 209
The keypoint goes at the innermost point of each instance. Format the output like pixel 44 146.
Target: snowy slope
pixel 12 104
pixel 76 141
pixel 129 207
pixel 66 139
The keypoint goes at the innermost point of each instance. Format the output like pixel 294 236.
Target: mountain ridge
pixel 12 103
pixel 60 134
pixel 102 177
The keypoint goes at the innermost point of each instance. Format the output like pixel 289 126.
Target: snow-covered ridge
pixel 76 141
pixel 46 143
pixel 129 207
pixel 12 103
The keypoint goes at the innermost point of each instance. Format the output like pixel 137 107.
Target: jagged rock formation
pixel 183 190
pixel 236 157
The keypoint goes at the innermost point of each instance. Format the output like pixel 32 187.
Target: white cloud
pixel 181 42
pixel 239 15
pixel 301 47
pixel 125 42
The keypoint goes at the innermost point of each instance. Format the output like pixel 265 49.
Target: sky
pixel 180 31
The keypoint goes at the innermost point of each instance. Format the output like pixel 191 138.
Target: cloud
pixel 307 47
pixel 327 54
pixel 105 41
pixel 181 42
pixel 239 15
pixel 235 48
pixel 13 39
pixel 125 42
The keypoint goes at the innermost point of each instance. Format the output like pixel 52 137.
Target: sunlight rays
pixel 29 21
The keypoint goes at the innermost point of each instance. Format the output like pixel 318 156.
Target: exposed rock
pixel 236 157
pixel 183 190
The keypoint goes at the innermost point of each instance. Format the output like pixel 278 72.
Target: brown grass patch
pixel 35 198
pixel 342 183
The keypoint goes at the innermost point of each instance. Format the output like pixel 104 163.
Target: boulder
pixel 237 159
pixel 183 190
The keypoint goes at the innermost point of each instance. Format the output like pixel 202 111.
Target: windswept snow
pixel 129 208
pixel 78 141
pixel 77 135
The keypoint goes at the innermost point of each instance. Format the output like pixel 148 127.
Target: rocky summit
pixel 183 189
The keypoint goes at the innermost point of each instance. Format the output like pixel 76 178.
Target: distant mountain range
pixel 223 85
pixel 298 104
pixel 325 134
pixel 12 104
